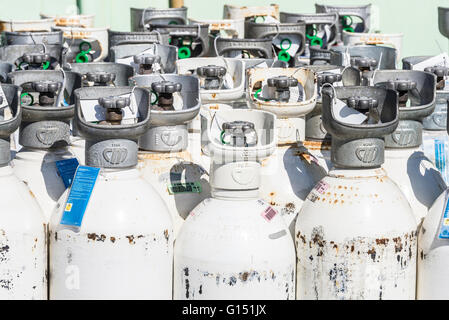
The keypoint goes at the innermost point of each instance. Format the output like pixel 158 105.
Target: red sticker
pixel 269 213
pixel 321 187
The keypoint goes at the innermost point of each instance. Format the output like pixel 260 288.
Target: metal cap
pixel 257 48
pixel 167 54
pixel 46 126
pixel 317 21
pixel 349 77
pixel 388 60
pixel 419 88
pixel 143 17
pixel 197 34
pixel 102 73
pixel 437 120
pixel 7 127
pixel 239 134
pixel 168 128
pixel 362 12
pixel 409 62
pixel 319 56
pixel 360 145
pixel 255 30
pixel 213 74
pixel 14 54
pixel 48 38
pixel 112 146
pixel 443 21
pixel 117 38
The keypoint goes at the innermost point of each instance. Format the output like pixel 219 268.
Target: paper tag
pixel 3 96
pixel 444 228
pixel 269 213
pixel 188 187
pixel 67 169
pixel 345 114
pixel 79 195
pixel 439 60
pixel 94 112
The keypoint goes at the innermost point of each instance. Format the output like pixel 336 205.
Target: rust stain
pixel 130 239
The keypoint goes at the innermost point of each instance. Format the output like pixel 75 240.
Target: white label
pixel 94 112
pixel 345 114
pixel 439 60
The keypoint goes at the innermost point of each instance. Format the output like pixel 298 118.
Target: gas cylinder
pixel 318 141
pixel 435 139
pixel 222 83
pixel 226 28
pixel 96 74
pixel 288 175
pixel 141 19
pixel 165 157
pixel 83 45
pixel 288 38
pixel 191 40
pixel 118 38
pixel 48 105
pixel 121 248
pixel 27 50
pixel 232 245
pixel 146 58
pixel 243 48
pixel 321 29
pixel 405 162
pixel 373 254
pixel 351 18
pixel 23 232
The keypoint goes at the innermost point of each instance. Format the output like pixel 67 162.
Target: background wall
pixel 417 19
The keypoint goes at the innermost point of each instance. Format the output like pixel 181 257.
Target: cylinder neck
pixel 112 154
pixel 5 151
pixel 171 138
pixel 290 130
pixel 358 153
pixel 408 134
pixel 44 134
pixel 234 180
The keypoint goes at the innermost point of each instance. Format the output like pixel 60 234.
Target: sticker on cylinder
pixel 188 187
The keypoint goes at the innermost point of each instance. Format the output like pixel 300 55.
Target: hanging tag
pixel 5 112
pixel 346 58
pixel 345 114
pixel 79 195
pixel 297 93
pixel 67 169
pixel 439 60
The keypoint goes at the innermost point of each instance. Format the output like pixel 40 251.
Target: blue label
pixel 444 230
pixel 67 169
pixel 440 158
pixel 79 195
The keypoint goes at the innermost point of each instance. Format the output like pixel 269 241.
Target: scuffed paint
pixel 281 283
pixel 357 268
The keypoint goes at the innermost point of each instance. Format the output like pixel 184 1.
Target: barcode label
pixel 269 213
pixel 178 187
